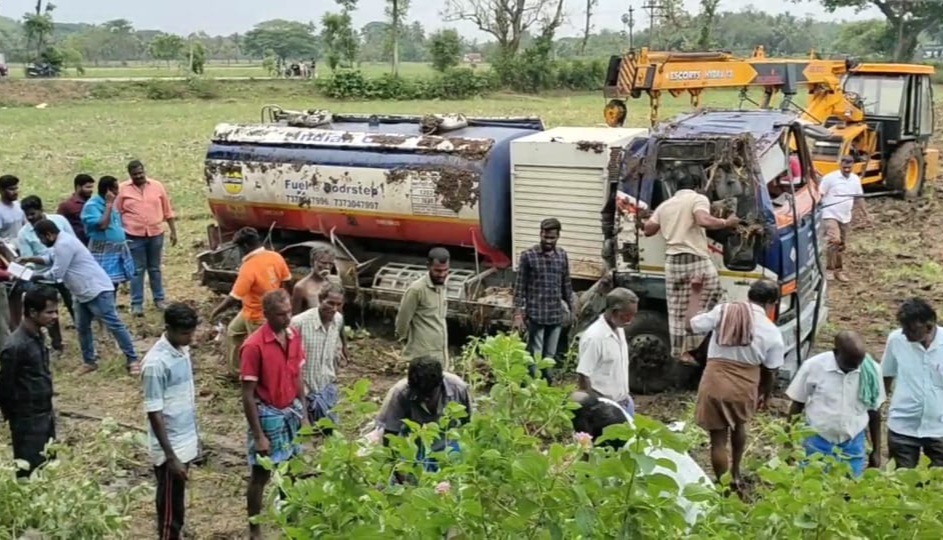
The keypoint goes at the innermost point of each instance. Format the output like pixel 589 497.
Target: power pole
pixel 652 6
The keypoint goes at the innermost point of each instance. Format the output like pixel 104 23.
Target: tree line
pixel 518 29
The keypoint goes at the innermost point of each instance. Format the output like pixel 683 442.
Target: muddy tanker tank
pixel 433 180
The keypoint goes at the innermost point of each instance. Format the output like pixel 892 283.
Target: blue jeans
pixel 852 452
pixel 146 252
pixel 103 309
pixel 543 339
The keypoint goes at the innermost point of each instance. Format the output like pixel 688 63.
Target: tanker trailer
pixel 380 190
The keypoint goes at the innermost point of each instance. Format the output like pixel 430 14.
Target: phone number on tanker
pixel 336 203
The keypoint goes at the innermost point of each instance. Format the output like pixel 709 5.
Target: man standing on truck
pixel 262 271
pixel 421 319
pixel 307 291
pixel 71 208
pixel 145 207
pixel 543 294
pixel 604 353
pixel 744 352
pixel 841 195
pixel 683 221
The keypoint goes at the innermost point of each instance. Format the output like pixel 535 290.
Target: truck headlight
pixel 785 304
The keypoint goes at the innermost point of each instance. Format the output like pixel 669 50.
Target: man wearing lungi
pixel 320 329
pixel 273 395
pixel 743 355
pixel 841 393
pixel 683 220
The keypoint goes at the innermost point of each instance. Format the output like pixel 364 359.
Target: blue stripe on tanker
pixel 494 205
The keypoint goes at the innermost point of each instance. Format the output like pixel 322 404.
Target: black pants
pixel 170 503
pixel 905 450
pixel 29 435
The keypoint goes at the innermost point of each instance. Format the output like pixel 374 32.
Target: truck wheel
pixel 905 170
pixel 651 367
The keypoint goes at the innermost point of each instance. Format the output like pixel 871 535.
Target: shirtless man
pixel 306 292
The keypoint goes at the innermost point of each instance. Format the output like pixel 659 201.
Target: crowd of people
pixel 287 342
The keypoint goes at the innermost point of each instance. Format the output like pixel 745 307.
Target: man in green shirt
pixel 421 317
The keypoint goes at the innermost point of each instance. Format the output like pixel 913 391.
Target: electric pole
pixel 652 6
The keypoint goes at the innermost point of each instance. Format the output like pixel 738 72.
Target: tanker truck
pixel 380 191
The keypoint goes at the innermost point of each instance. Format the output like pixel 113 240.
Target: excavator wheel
pixel 905 171
pixel 615 113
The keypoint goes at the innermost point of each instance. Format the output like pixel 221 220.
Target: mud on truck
pixel 380 191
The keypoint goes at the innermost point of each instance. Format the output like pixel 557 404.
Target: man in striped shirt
pixel 321 329
pixel 169 400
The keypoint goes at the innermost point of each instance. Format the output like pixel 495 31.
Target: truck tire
pixel 905 171
pixel 651 366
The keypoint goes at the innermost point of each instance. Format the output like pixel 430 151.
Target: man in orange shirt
pixel 262 271
pixel 144 207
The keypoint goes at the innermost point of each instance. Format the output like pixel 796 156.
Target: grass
pixel 162 70
pixel 47 147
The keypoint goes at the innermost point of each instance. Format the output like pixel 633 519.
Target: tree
pixel 708 12
pixel 588 24
pixel 507 20
pixel 197 57
pixel 909 18
pixel 286 39
pixel 166 47
pixel 396 11
pixel 445 48
pixel 38 27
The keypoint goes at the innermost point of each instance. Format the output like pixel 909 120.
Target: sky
pixel 230 16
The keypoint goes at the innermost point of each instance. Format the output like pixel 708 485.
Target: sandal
pixel 134 368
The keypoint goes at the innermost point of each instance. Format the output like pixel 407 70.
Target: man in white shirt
pixel 841 194
pixel 841 393
pixel 604 354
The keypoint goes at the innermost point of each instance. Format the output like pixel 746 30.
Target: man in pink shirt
pixel 144 207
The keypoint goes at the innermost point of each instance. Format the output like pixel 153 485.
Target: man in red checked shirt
pixel 273 395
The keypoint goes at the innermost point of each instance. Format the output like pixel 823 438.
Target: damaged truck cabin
pixel 381 191
pixel 741 160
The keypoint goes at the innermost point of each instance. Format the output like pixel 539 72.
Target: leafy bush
pixel 164 90
pixel 458 83
pixel 445 48
pixel 71 497
pixel 204 88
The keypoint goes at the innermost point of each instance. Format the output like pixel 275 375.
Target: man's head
pixel 685 180
pixel 41 305
pixel 84 186
pixel 549 234
pixel 247 240
pixel 438 263
pixel 106 185
pixel 424 376
pixel 322 260
pixel 764 292
pixel 594 416
pixel 331 300
pixel 180 322
pixel 46 231
pixel 849 350
pixel 33 208
pixel 621 306
pixel 9 187
pixel 845 164
pixel 276 305
pixel 136 172
pixel 917 320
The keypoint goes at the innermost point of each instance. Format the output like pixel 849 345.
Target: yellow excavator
pixel 880 114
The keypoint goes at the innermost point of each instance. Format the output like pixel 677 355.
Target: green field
pixel 47 147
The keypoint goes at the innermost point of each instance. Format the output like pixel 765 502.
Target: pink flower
pixel 443 488
pixel 585 440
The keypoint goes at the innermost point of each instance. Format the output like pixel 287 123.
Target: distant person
pixel 261 272
pixel 745 350
pixel 913 367
pixel 145 207
pixel 71 208
pixel 32 248
pixel 841 195
pixel 306 293
pixel 840 393
pixel 106 239
pixel 683 221
pixel 170 404
pixel 273 395
pixel 604 353
pixel 26 380
pixel 543 294
pixel 421 319
pixel 321 329
pixel 92 289
pixel 12 217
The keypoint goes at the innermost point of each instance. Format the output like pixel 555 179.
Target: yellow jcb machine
pixel 880 114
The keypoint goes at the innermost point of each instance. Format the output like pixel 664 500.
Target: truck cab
pixel 741 159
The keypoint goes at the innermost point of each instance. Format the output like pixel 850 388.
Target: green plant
pixel 445 48
pixel 164 90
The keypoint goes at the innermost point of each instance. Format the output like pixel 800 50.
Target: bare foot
pixel 840 276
